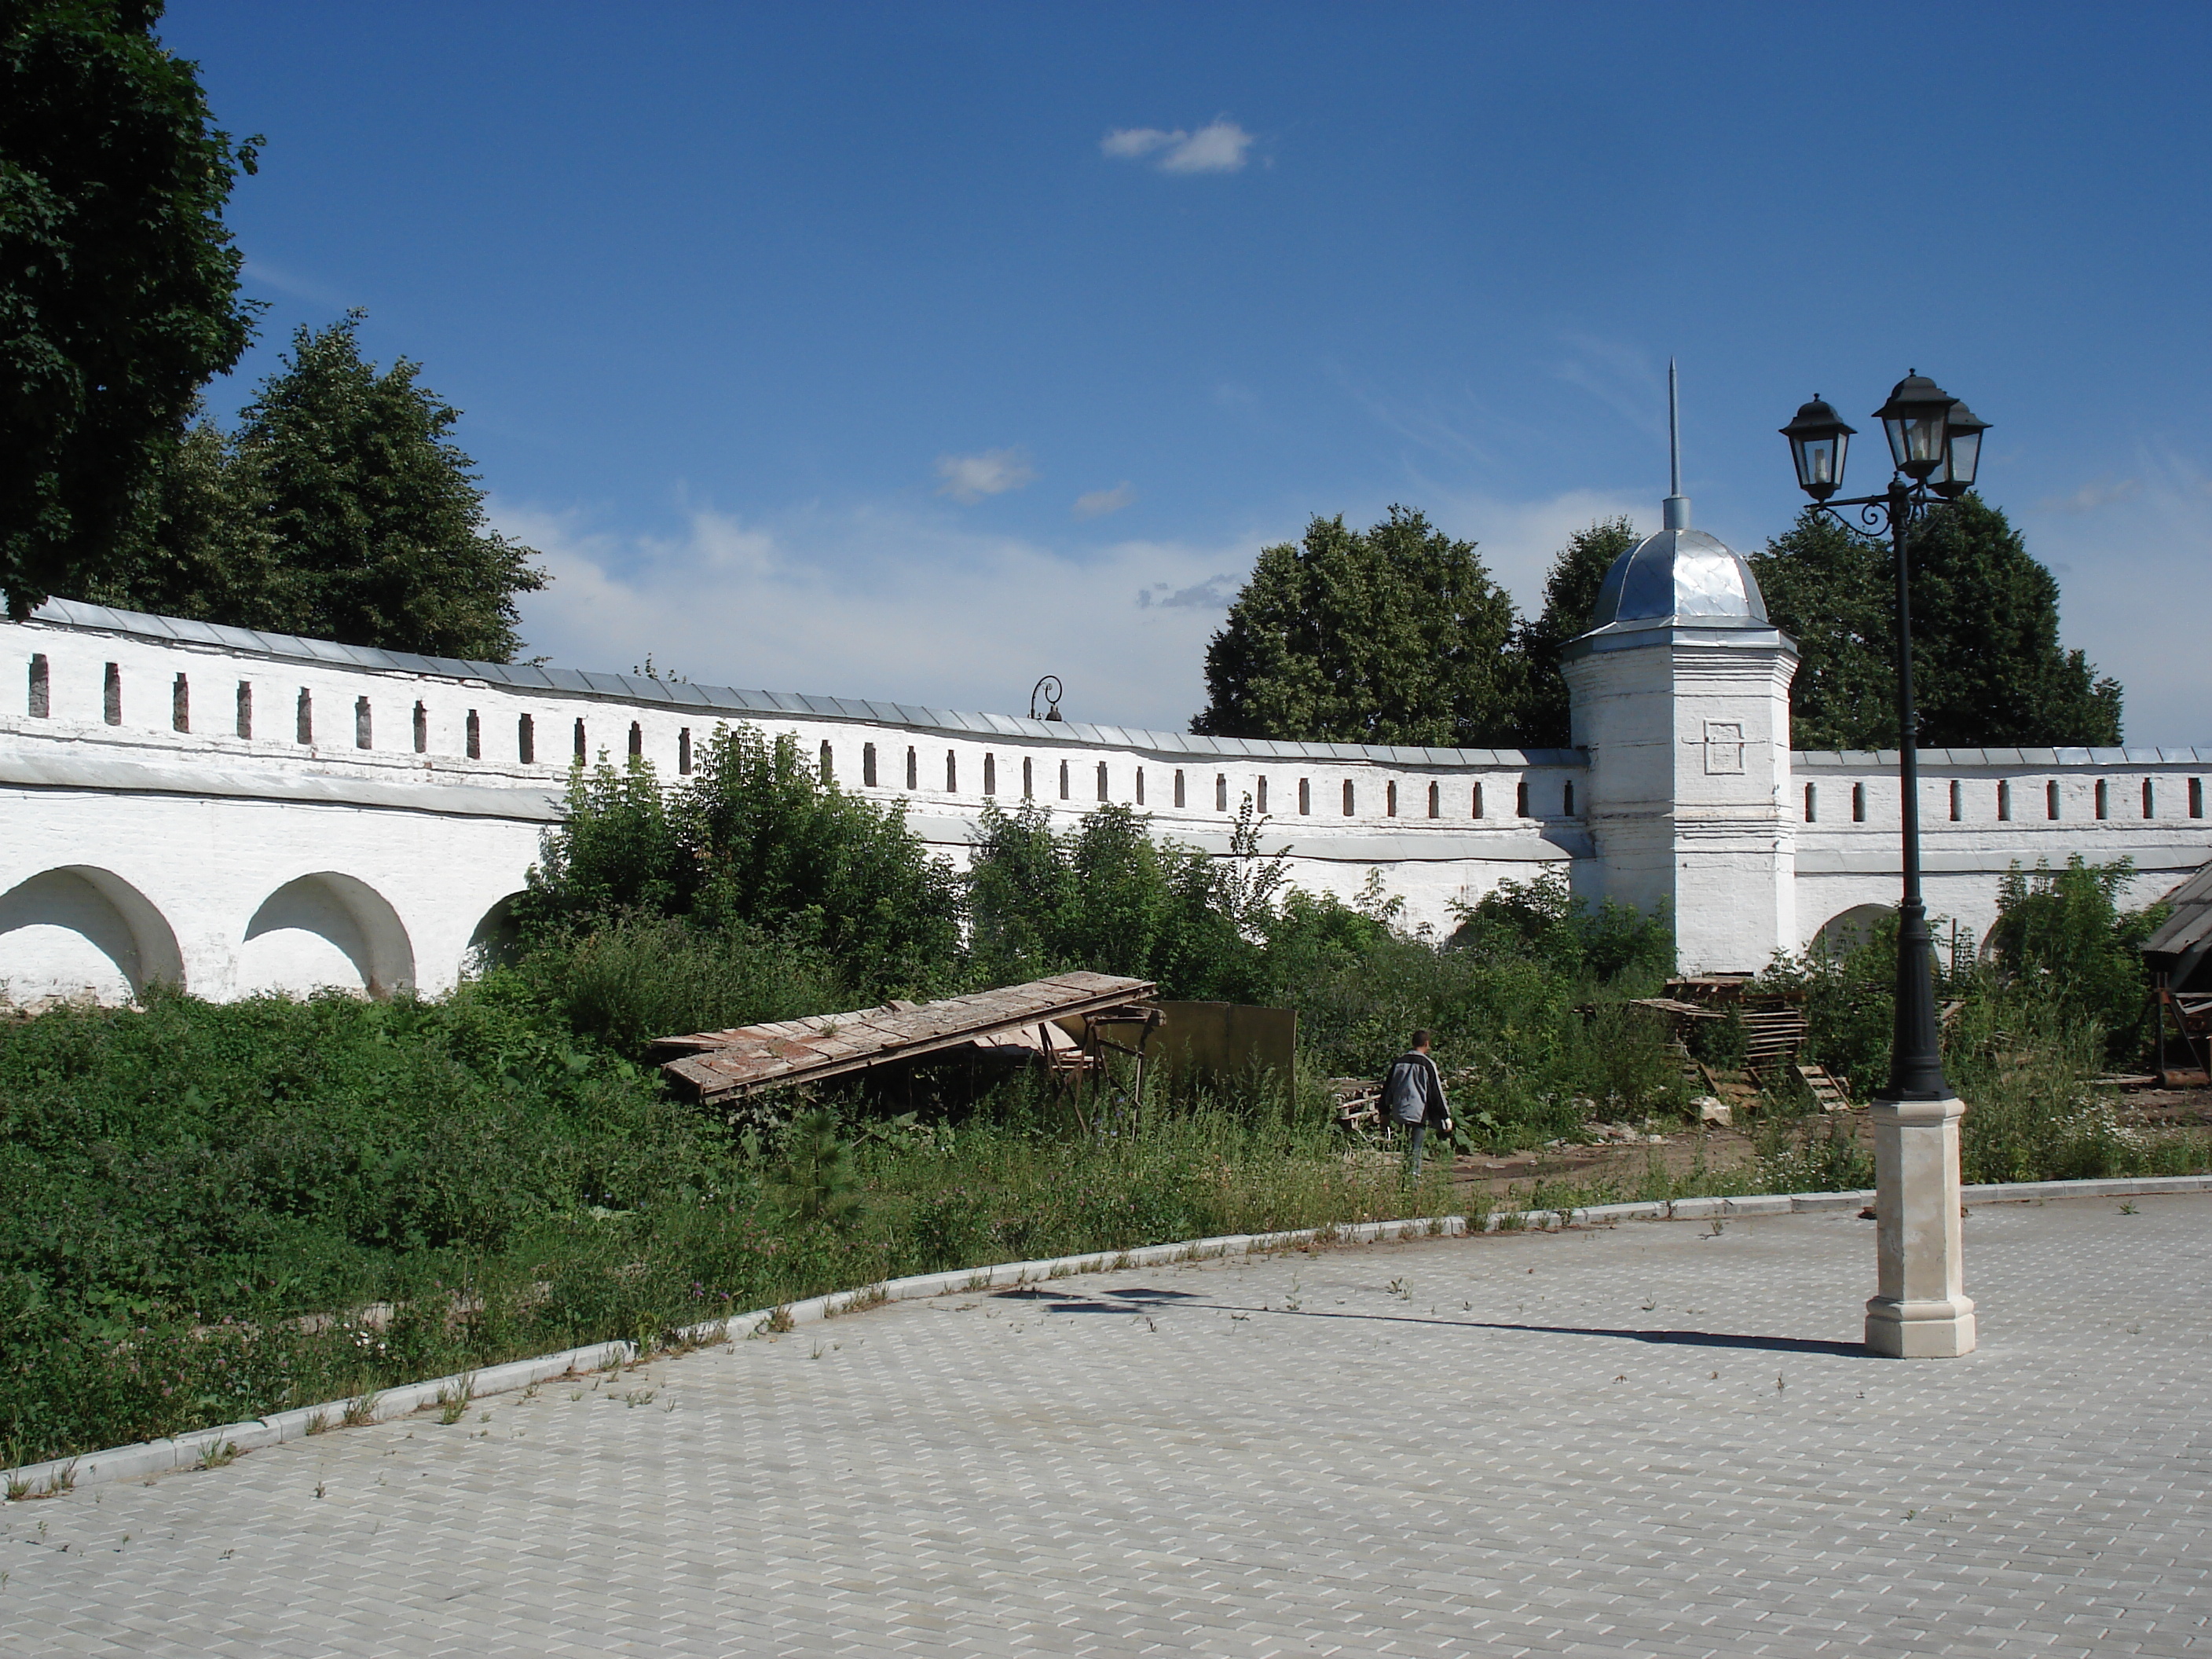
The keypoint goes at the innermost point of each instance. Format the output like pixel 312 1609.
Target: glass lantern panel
pixel 1961 458
pixel 1916 442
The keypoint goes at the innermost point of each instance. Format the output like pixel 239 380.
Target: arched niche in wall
pixel 1846 931
pixel 326 929
pixel 496 937
pixel 77 931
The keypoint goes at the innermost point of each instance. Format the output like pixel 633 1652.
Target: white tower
pixel 1680 694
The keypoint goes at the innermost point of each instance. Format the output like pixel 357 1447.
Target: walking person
pixel 1413 1095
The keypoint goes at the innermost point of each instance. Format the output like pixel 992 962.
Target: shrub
pixel 2061 937
pixel 756 838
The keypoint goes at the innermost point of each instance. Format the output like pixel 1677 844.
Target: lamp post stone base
pixel 1921 1311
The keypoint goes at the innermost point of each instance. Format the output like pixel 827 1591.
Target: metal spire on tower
pixel 1675 510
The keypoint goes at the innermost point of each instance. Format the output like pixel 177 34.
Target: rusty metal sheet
pixel 716 1065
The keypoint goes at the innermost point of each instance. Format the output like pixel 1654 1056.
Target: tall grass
pixel 216 1193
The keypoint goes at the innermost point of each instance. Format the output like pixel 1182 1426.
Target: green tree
pixel 1394 636
pixel 378 519
pixel 1830 589
pixel 119 284
pixel 1988 669
pixel 1569 595
pixel 1987 665
pixel 201 548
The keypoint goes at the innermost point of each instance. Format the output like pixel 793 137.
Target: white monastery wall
pixel 239 812
pixel 244 813
pixel 1983 810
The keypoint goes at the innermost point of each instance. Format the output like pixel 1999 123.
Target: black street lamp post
pixel 1935 441
pixel 1920 1309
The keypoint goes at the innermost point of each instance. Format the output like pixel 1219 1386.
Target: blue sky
pixel 916 350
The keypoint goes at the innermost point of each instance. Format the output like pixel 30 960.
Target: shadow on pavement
pixel 1185 1301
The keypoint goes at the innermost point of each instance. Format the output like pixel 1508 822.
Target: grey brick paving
pixel 1651 1441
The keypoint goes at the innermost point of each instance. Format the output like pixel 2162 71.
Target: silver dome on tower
pixel 1676 577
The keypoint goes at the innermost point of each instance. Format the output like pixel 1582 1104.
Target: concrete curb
pixel 208 1447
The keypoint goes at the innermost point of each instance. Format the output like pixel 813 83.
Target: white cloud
pixel 1126 144
pixel 1098 503
pixel 2097 492
pixel 993 472
pixel 1216 592
pixel 1218 147
pixel 911 607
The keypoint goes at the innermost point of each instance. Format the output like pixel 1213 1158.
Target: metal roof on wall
pixel 1860 760
pixel 729 702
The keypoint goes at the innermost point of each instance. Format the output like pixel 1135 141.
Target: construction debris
pixel 716 1067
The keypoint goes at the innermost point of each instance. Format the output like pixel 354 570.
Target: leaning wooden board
pixel 716 1065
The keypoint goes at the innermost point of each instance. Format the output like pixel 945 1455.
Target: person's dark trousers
pixel 1415 1134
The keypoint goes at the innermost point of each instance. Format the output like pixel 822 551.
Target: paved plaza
pixel 1656 1438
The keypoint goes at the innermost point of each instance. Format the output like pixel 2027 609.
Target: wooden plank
pixel 721 1065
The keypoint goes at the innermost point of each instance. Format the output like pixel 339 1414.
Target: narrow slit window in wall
pixel 1958 800
pixel 1102 780
pixel 990 774
pixel 2051 799
pixel 1141 785
pixel 583 750
pixel 1178 786
pixel 525 740
pixel 1390 799
pixel 110 696
pixel 1812 803
pixel 472 736
pixel 828 765
pixel 422 729
pixel 684 752
pixel 1478 801
pixel 636 741
pixel 1859 803
pixel 42 688
pixel 868 765
pixel 1436 801
pixel 181 705
pixel 2150 801
pixel 1064 785
pixel 2005 800
pixel 1347 798
pixel 303 724
pixel 1221 792
pixel 2196 798
pixel 1306 796
pixel 246 708
pixel 361 726
pixel 1029 777
pixel 1521 798
pixel 1260 803
pixel 2103 800
pixel 1567 801
pixel 913 768
pixel 951 773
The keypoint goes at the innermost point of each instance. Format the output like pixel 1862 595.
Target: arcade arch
pixel 494 938
pixel 1846 931
pixel 77 931
pixel 326 929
